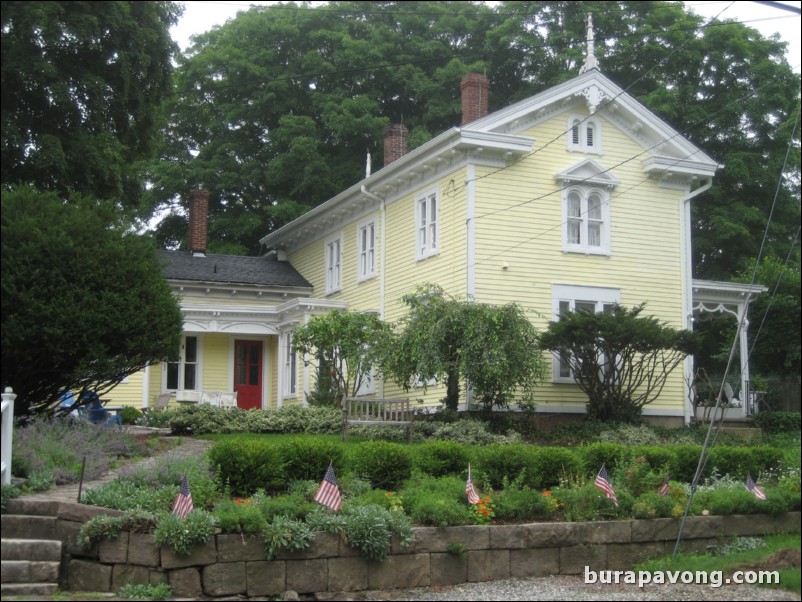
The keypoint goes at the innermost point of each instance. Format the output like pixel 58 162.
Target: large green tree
pixel 276 109
pixel 490 349
pixel 81 87
pixel 84 304
pixel 620 359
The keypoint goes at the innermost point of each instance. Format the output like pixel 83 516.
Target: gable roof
pixel 495 140
pixel 230 269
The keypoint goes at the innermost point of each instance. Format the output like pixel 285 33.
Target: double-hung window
pixel 290 375
pixel 183 374
pixel 426 220
pixel 366 249
pixel 333 265
pixel 586 221
pixel 567 298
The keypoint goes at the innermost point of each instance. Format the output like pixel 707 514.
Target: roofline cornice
pixel 453 145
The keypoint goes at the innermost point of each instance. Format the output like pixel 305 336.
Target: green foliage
pixel 7 493
pixel 145 591
pixel 596 455
pixel 440 458
pixel 620 359
pixel 98 330
pixel 370 529
pixel 82 84
pixel 492 347
pixel 287 534
pixel 772 423
pixel 205 418
pixel 523 505
pixel 588 503
pixel 248 465
pixel 109 527
pixel 122 494
pixel 53 450
pixel 439 502
pixel 385 465
pixel 307 458
pixel 738 462
pixel 498 463
pixel 131 415
pixel 295 505
pixel 239 516
pixel 182 535
pixel 653 505
pixel 551 463
pixel 348 346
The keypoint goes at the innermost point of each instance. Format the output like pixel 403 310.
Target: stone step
pixel 19 526
pixel 28 589
pixel 32 550
pixel 26 571
pixel 32 507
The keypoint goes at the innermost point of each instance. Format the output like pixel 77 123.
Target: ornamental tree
pixel 620 359
pixel 345 348
pixel 84 302
pixel 492 349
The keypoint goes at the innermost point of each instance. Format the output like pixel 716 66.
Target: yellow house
pixel 578 197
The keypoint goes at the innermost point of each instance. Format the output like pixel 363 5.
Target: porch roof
pixel 230 269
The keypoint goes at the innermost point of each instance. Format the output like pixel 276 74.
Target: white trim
pixel 585 218
pixel 333 264
pixel 583 124
pixel 571 293
pixel 369 227
pixel 470 220
pixel 181 385
pixel 427 229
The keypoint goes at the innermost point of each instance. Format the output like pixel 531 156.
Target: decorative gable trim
pixel 588 172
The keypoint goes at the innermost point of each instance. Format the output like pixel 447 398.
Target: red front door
pixel 248 373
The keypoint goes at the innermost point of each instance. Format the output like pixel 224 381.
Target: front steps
pixel 29 566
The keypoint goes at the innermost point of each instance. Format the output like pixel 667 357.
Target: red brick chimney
pixel 198 220
pixel 475 88
pixel 395 142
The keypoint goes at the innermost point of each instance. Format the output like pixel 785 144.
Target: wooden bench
pixel 372 411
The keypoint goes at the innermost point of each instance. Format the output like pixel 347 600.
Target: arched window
pixel 586 220
pixel 584 135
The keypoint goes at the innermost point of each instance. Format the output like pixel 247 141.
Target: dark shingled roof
pixel 230 269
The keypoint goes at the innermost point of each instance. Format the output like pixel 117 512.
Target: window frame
pixel 366 254
pixel 585 192
pixel 427 229
pixel 289 380
pixel 182 365
pixel 601 297
pixel 333 264
pixel 579 128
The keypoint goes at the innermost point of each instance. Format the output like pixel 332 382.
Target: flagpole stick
pixel 81 482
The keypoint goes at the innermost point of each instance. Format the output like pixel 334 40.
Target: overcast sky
pixel 202 16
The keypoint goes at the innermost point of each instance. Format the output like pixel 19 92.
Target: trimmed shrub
pixel 440 458
pixel 741 461
pixel 596 455
pixel 385 465
pixel 246 465
pixel 307 459
pixel 686 458
pixel 500 463
pixel 654 505
pixel 131 415
pixel 239 516
pixel 772 423
pixel 552 464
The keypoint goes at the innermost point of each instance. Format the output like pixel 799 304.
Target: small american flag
pixel 603 483
pixel 664 488
pixel 328 493
pixel 752 486
pixel 473 497
pixel 183 501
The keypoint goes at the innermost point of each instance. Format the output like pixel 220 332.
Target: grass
pixel 753 554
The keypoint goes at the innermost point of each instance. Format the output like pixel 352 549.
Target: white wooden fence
pixel 7 434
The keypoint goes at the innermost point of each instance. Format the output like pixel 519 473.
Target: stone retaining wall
pixel 233 564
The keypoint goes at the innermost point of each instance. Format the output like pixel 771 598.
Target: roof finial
pixel 590 59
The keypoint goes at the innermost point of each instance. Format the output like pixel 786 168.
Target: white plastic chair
pixel 211 397
pixel 228 400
